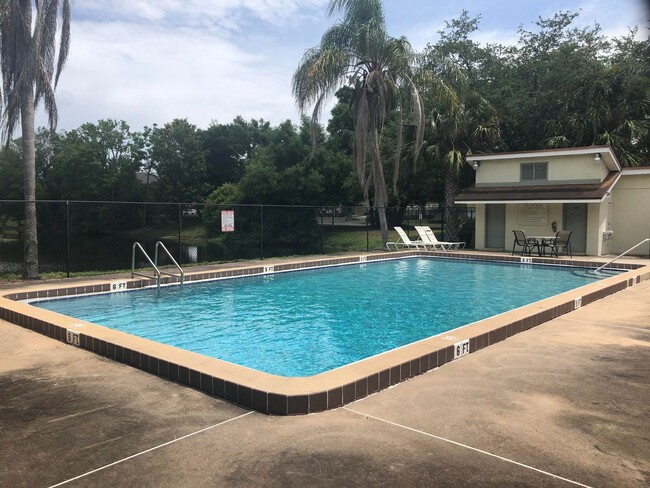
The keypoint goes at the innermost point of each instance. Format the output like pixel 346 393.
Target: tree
pixel 223 198
pixel 10 166
pixel 228 147
pixel 454 130
pixel 93 162
pixel 453 134
pixel 30 64
pixel 177 151
pixel 357 52
pixel 608 103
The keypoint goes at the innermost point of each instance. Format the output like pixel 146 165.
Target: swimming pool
pixel 304 323
pixel 279 395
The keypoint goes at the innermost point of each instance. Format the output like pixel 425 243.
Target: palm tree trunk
pixel 383 222
pixel 452 221
pixel 29 178
pixel 381 192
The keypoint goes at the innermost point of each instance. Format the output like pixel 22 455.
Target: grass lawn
pixel 350 239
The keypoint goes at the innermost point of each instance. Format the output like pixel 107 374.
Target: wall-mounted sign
pixel 227 221
pixel 533 214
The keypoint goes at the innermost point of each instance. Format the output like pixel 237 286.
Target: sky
pixel 151 61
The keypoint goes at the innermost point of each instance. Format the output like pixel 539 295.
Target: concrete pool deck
pixel 563 404
pixel 279 395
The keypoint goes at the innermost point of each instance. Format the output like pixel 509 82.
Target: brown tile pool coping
pixel 279 395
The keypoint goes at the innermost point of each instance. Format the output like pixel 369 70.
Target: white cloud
pixel 147 61
pixel 200 12
pixel 616 18
pixel 163 67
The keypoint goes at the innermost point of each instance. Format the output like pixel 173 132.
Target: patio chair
pixel 429 239
pixel 527 244
pixel 562 240
pixel 404 242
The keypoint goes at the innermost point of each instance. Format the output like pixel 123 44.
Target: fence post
pixel 261 231
pixel 180 228
pixel 321 229
pixel 67 234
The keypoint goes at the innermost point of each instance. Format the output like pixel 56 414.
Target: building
pixel 583 190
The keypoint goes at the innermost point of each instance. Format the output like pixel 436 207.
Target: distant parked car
pixel 190 211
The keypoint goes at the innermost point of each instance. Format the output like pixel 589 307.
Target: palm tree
pixel 612 118
pixel 30 63
pixel 454 130
pixel 357 52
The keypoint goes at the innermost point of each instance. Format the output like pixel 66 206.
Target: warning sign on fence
pixel 227 221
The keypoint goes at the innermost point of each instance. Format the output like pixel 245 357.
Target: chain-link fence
pixel 76 236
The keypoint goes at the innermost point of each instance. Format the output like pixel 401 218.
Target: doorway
pixel 495 226
pixel 575 219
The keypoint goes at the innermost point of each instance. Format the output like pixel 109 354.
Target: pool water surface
pixel 307 322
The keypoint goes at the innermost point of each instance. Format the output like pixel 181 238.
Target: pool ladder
pixel 154 263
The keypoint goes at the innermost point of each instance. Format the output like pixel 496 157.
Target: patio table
pixel 541 241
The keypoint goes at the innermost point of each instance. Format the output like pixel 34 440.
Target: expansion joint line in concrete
pixel 604 324
pixel 459 444
pixel 151 449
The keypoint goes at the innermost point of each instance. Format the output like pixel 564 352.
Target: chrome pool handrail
pixel 621 255
pixel 136 245
pixel 154 264
pixel 182 273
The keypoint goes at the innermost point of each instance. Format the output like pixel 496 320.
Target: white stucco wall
pixel 560 169
pixel 479 227
pixel 596 224
pixel 630 213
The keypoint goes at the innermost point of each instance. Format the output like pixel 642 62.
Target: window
pixel 534 171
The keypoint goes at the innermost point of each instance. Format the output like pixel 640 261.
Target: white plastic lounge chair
pixel 427 236
pixel 427 242
pixel 405 241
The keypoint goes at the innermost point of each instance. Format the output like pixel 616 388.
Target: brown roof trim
pixel 568 192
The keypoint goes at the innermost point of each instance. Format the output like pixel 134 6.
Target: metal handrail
pixel 154 264
pixel 621 255
pixel 182 273
pixel 136 245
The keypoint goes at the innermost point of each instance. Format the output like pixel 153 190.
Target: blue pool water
pixel 307 322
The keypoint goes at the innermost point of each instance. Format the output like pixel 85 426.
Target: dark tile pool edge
pixel 355 383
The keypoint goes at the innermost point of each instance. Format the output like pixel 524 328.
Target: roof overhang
pixel 635 171
pixel 606 154
pixel 567 193
pixel 494 202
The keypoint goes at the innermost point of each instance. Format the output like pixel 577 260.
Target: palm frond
pixel 64 42
pixel 28 56
pixel 357 11
pixel 321 71
pixel 315 117
pixel 339 36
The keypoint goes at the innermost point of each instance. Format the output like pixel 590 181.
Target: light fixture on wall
pixel 476 165
pixel 596 157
